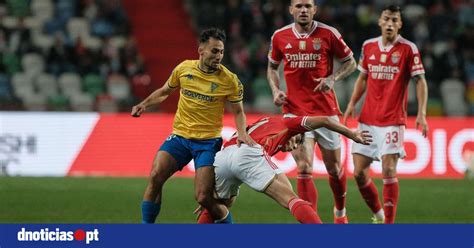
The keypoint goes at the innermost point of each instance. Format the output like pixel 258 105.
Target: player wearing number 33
pixel 386 66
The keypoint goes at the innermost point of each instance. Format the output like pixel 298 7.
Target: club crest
pixel 316 43
pixel 395 57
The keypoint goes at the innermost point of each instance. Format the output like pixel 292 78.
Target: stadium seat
pixel 58 103
pixel 11 63
pixel 118 87
pixel 82 102
pixel 70 83
pixel 44 42
pixel 452 93
pixel 34 102
pixel 22 85
pixel 93 84
pixel 5 87
pixel 43 9
pixel 106 103
pixel 78 27
pixel 92 43
pixel 47 85
pixel 32 64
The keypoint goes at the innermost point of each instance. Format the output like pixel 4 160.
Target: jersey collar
pixel 389 46
pixel 304 35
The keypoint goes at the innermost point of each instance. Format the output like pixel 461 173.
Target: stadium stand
pixel 80 55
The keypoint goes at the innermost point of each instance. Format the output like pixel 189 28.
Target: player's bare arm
pixel 156 97
pixel 279 96
pixel 362 137
pixel 359 89
pixel 326 84
pixel 241 124
pixel 422 97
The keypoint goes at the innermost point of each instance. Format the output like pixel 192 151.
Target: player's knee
pixel 360 177
pixel 304 167
pixel 389 171
pixel 334 172
pixel 158 177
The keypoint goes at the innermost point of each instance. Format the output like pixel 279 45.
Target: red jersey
pixel 389 70
pixel 307 57
pixel 273 133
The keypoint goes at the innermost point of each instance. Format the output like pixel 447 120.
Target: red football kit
pixel 307 57
pixel 389 70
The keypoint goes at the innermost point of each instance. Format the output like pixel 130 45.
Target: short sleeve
pixel 362 65
pixel 415 64
pixel 341 50
pixel 296 125
pixel 238 90
pixel 173 80
pixel 274 55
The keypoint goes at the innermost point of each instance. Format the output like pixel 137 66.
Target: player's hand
pixel 350 112
pixel 245 139
pixel 198 210
pixel 421 121
pixel 362 137
pixel 137 110
pixel 279 98
pixel 325 84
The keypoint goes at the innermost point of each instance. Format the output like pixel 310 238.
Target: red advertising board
pixel 123 146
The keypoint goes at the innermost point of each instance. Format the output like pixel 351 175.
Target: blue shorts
pixel 183 150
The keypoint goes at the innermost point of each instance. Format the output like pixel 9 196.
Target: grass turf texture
pixel 117 200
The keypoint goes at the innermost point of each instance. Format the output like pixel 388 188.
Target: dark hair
pixel 392 8
pixel 215 33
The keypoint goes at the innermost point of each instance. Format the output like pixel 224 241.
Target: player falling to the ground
pixel 205 85
pixel 387 64
pixel 252 165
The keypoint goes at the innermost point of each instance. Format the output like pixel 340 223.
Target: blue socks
pixel 150 211
pixel 226 220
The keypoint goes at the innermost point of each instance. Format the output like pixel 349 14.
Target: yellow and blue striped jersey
pixel 202 99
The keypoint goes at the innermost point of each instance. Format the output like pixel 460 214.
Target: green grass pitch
pixel 117 200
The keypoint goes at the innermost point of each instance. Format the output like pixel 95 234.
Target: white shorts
pixel 236 165
pixel 386 140
pixel 326 138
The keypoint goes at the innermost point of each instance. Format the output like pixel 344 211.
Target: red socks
pixel 390 198
pixel 205 218
pixel 306 189
pixel 303 211
pixel 339 188
pixel 371 196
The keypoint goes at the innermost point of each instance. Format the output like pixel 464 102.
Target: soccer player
pixel 205 85
pixel 307 48
pixel 252 165
pixel 386 65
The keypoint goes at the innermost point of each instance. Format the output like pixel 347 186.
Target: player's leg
pixel 204 217
pixel 281 191
pixel 366 186
pixel 329 143
pixel 391 150
pixel 204 153
pixel 337 182
pixel 204 188
pixel 164 165
pixel 172 156
pixel 303 156
pixel 390 186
